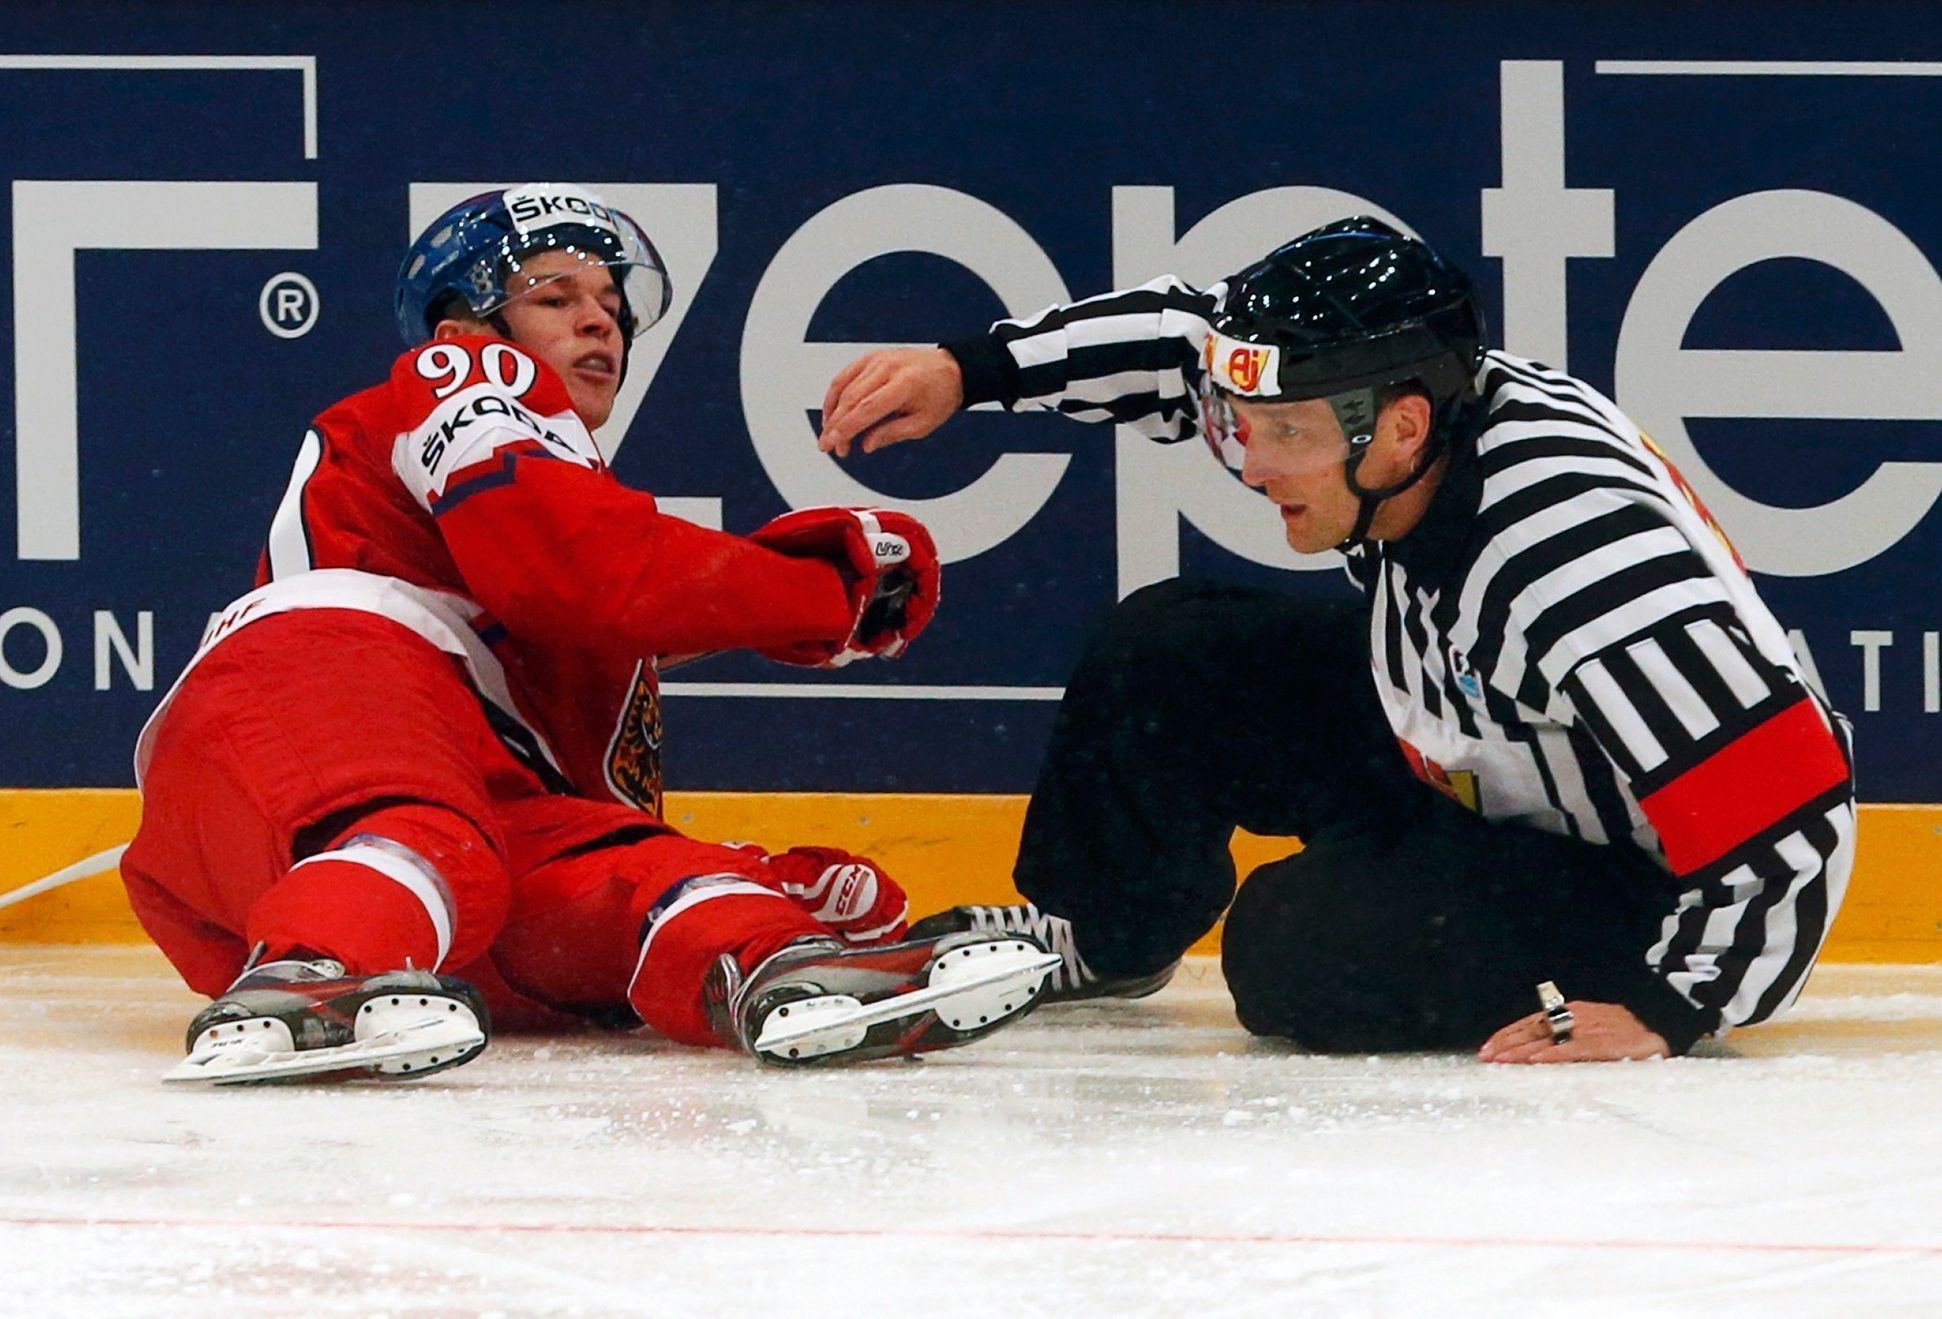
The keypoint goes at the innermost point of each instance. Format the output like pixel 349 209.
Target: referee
pixel 1587 777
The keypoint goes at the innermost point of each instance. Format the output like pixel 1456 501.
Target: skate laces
pixel 1055 932
pixel 290 972
pixel 739 985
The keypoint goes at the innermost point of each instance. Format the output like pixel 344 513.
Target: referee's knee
pixel 1262 953
pixel 1142 641
pixel 1134 619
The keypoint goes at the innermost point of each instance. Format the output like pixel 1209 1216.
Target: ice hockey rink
pixel 1125 1158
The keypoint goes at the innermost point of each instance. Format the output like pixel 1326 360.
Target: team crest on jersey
pixel 1466 677
pixel 634 754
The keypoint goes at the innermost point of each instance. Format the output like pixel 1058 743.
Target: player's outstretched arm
pixel 886 397
pixel 571 555
pixel 555 548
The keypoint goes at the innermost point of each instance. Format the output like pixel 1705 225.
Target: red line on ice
pixel 994 1234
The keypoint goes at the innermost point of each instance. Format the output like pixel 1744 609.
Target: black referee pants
pixel 1407 922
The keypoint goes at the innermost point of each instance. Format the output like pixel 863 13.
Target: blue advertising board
pixel 1729 216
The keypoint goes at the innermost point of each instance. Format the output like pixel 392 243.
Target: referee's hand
pixel 888 396
pixel 1604 1032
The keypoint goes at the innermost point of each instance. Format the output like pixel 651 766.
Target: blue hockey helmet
pixel 474 252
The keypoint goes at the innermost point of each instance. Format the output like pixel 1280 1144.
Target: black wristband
pixel 1666 1013
pixel 990 374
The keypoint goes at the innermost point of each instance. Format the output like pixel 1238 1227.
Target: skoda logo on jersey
pixel 1466 677
pixel 541 205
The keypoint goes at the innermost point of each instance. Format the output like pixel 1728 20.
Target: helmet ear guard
pixel 1355 412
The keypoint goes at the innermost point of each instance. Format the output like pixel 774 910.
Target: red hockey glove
pixel 889 562
pixel 843 891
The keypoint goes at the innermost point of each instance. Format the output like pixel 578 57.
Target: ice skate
pixel 289 1019
pixel 820 1001
pixel 1071 980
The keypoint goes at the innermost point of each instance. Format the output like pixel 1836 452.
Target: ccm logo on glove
pixel 843 891
pixel 888 562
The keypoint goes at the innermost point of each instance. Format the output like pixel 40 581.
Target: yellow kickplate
pixel 944 849
pixel 42 831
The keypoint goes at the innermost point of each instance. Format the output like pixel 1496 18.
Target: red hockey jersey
pixel 465 499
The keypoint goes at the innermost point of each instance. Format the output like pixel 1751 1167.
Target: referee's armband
pixel 1756 781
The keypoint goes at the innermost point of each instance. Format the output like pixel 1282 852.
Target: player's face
pixel 1295 453
pixel 571 323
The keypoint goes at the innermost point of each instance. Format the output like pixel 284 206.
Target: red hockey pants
pixel 326 781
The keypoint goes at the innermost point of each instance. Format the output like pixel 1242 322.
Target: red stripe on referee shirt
pixel 1750 784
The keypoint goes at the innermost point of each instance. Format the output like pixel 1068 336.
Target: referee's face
pixel 1294 454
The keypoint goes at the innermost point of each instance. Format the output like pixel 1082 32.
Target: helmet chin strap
pixel 1356 411
pixel 1371 500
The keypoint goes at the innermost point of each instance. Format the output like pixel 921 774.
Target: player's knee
pixel 1297 970
pixel 431 828
pixel 1161 596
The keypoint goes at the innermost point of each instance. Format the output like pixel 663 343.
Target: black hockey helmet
pixel 1343 313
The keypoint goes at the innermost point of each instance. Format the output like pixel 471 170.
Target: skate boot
pixel 289 1019
pixel 1072 980
pixel 819 1000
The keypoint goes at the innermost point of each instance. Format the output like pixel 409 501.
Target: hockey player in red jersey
pixel 423 753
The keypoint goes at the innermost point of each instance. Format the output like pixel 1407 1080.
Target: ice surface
pixel 1126 1158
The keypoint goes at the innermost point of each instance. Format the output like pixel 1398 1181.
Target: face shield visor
pixel 554 218
pixel 1243 412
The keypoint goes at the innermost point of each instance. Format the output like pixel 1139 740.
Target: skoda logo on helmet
pixel 541 205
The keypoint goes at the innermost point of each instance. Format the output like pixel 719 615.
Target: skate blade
pixel 431 1043
pixel 969 987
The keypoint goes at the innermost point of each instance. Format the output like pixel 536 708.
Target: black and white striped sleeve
pixel 1131 357
pixel 1605 598
pixel 1745 781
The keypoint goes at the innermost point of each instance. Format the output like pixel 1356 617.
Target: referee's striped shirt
pixel 1566 640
